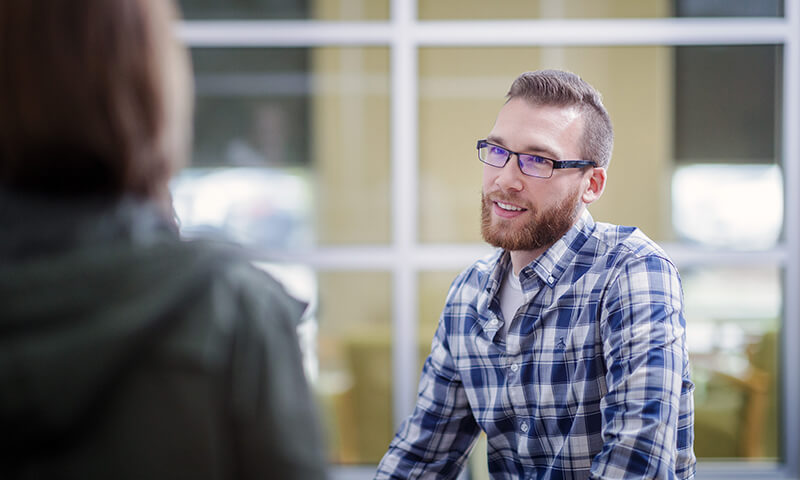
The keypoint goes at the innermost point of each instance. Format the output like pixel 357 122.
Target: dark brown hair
pixel 565 89
pixel 94 97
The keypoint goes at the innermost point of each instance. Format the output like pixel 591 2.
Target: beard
pixel 543 229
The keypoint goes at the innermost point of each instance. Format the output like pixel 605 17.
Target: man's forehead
pixel 536 128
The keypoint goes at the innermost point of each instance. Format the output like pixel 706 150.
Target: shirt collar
pixel 501 262
pixel 550 265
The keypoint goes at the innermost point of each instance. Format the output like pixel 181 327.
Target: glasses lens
pixel 535 166
pixel 492 154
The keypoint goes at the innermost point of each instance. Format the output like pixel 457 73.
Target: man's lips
pixel 507 210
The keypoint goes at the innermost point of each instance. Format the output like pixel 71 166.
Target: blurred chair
pixel 360 415
pixel 738 414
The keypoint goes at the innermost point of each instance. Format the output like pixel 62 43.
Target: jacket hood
pixel 78 304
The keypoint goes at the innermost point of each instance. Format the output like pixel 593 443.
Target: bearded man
pixel 566 346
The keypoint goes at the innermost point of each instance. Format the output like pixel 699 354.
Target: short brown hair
pixel 94 97
pixel 559 88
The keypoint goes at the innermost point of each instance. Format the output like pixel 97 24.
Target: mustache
pixel 507 198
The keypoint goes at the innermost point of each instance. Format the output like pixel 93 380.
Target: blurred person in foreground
pixel 566 346
pixel 124 351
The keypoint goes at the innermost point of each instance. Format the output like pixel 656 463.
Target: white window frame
pixel 405 257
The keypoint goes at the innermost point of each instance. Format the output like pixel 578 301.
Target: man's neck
pixel 521 258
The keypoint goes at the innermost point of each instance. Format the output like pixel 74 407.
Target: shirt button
pixel 551 279
pixel 493 322
pixel 524 427
pixel 514 367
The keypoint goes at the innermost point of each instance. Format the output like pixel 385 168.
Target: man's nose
pixel 509 177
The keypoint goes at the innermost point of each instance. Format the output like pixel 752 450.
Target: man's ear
pixel 595 184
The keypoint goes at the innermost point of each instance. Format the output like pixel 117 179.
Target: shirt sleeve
pixel 434 441
pixel 647 412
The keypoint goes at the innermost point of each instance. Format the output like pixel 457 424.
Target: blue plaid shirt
pixel 591 381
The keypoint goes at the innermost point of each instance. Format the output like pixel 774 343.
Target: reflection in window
pixel 304 137
pixel 252 107
pixel 733 322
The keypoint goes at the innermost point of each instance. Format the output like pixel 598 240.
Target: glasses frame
pixel 556 164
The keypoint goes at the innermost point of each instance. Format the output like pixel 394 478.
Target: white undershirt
pixel 511 299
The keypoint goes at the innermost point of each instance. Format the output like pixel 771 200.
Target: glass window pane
pixel 558 9
pixel 354 384
pixel 291 147
pixel 458 105
pixel 349 10
pixel 733 330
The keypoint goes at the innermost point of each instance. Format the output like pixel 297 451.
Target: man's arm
pixel 434 441
pixel 645 425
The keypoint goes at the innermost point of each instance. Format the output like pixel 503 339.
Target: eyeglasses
pixel 531 165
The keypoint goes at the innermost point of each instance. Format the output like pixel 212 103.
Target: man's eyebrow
pixel 545 152
pixel 494 139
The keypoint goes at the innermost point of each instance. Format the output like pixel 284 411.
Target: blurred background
pixel 336 138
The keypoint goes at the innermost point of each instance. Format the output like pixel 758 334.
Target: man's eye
pixel 497 151
pixel 534 160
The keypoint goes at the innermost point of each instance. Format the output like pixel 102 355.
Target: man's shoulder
pixel 474 278
pixel 486 264
pixel 483 267
pixel 230 275
pixel 624 241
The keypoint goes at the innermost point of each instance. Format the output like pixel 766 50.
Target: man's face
pixel 520 212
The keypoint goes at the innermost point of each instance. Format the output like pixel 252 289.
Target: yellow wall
pixel 350 144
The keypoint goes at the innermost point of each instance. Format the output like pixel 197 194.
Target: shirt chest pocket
pixel 566 380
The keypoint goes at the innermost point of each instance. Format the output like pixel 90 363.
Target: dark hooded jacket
pixel 127 353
